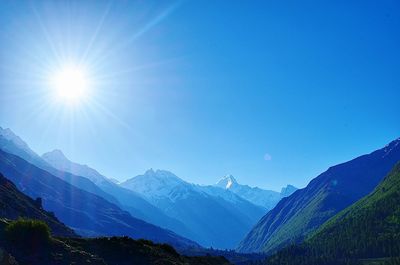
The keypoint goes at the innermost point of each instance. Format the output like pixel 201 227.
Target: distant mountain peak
pixel 58 160
pixel 288 190
pixel 160 174
pixel 6 131
pixel 157 177
pixel 393 145
pixel 56 153
pixel 150 172
pixel 157 183
pixel 227 182
pixel 8 134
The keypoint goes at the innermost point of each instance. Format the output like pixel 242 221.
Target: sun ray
pixel 134 69
pixel 160 17
pixel 95 34
pixel 46 34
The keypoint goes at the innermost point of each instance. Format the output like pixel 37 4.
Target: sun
pixel 70 84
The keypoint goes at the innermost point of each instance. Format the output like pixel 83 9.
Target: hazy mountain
pixel 16 141
pixel 216 221
pixel 57 159
pixel 238 204
pixel 13 144
pixel 14 204
pixel 288 190
pixel 300 214
pixel 129 200
pixel 366 230
pixel 264 198
pixel 86 213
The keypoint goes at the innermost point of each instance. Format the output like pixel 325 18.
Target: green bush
pixel 169 249
pixel 26 232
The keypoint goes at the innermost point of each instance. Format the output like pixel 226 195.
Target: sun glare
pixel 70 84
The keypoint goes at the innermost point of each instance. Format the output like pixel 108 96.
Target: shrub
pixel 28 233
pixel 169 249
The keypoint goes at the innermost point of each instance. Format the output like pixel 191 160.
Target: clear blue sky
pixel 206 88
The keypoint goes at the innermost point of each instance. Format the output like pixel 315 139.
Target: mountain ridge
pixel 300 214
pixel 258 196
pixel 86 213
pixel 366 230
pixel 14 204
pixel 129 200
pixel 219 220
pixel 82 176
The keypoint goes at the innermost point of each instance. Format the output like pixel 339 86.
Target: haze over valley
pixel 199 132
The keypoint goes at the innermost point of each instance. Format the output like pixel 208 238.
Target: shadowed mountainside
pixel 366 232
pixel 85 212
pixel 128 200
pixel 14 204
pixel 297 216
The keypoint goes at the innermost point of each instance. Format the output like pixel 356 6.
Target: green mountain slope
pixel 296 217
pixel 367 230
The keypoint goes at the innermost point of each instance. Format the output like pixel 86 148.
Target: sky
pixel 272 92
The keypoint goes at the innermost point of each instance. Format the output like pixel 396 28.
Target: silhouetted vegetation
pixel 26 233
pixel 231 255
pixel 30 242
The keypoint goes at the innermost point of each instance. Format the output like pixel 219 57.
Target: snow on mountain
pixel 218 217
pixel 225 194
pixel 129 200
pixel 226 182
pixel 264 198
pixel 159 185
pixel 104 214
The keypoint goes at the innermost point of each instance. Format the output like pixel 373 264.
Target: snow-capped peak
pixel 156 184
pixel 160 174
pixel 226 182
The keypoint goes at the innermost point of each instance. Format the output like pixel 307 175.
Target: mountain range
pixel 295 217
pixel 37 237
pixel 219 220
pixel 26 240
pixel 160 206
pixel 127 199
pixel 86 213
pixel 170 207
pixel 261 197
pixel 161 188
